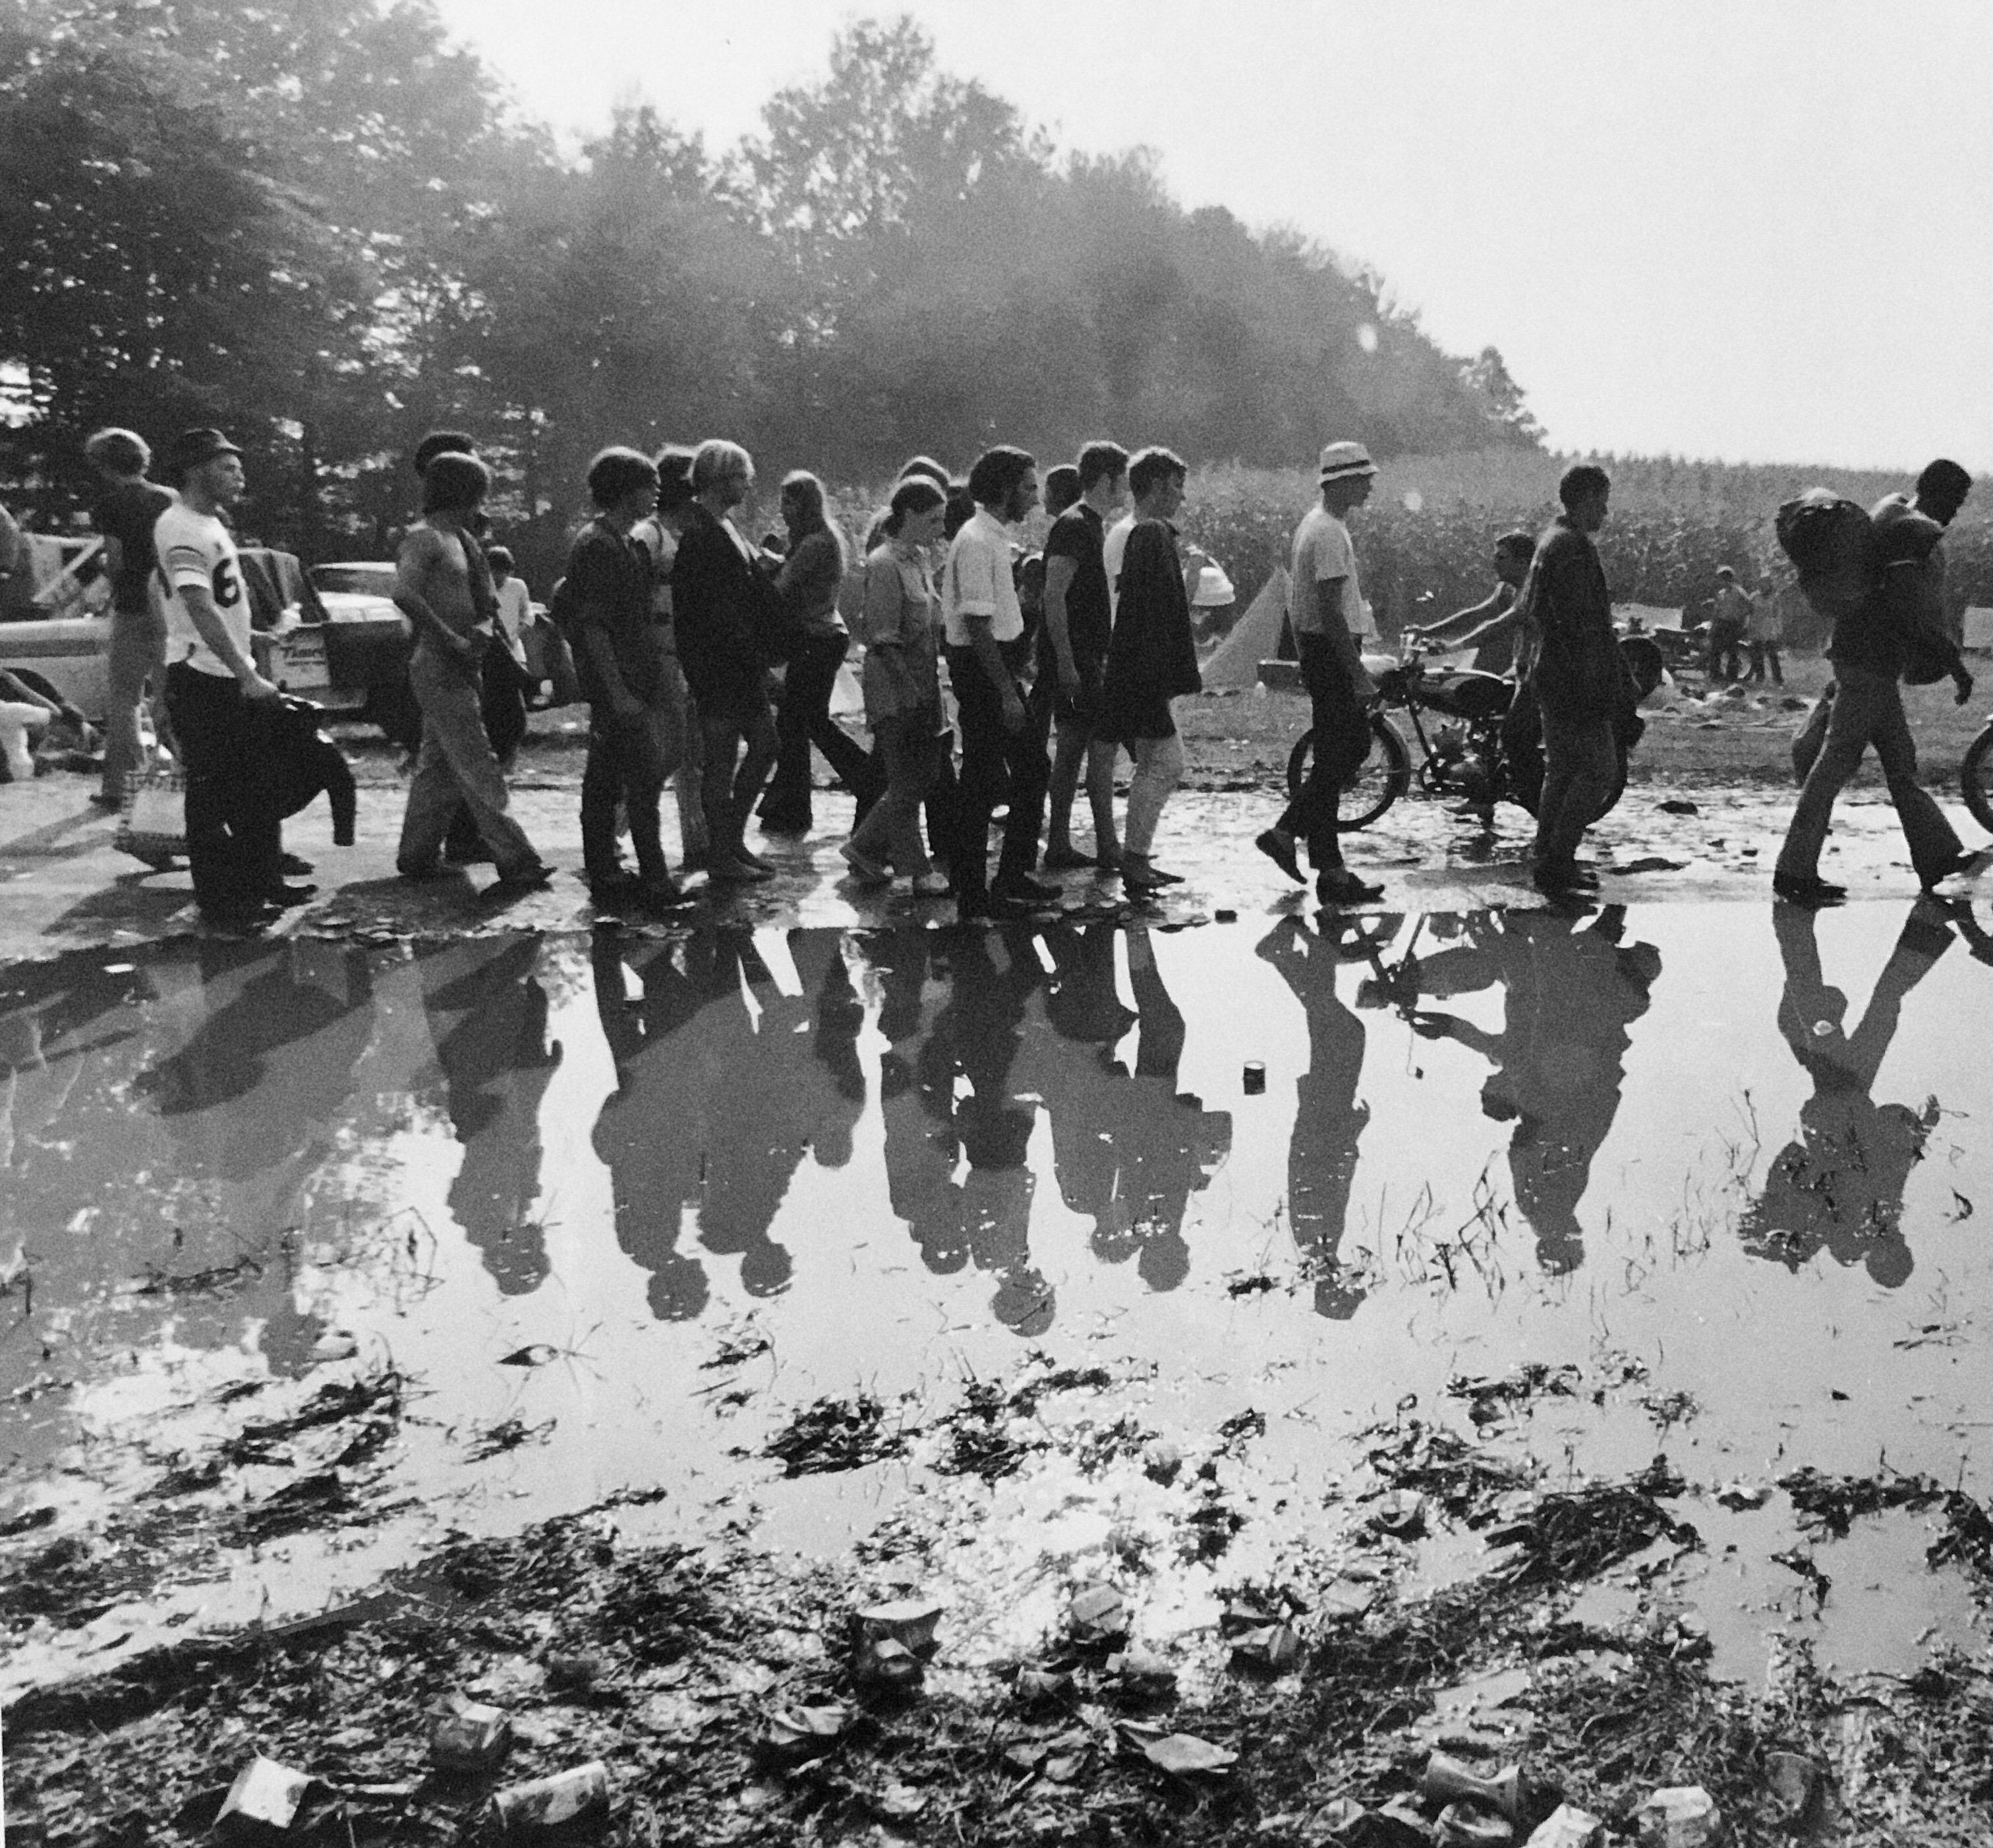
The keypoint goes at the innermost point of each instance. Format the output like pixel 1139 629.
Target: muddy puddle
pixel 316 1253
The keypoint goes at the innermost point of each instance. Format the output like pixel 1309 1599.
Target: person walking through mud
pixel 720 609
pixel 636 720
pixel 1570 658
pixel 444 585
pixel 1326 612
pixel 1488 627
pixel 125 513
pixel 812 572
pixel 1079 622
pixel 902 682
pixel 219 704
pixel 1001 750
pixel 659 535
pixel 1151 660
pixel 1869 648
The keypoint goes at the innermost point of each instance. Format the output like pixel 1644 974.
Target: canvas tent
pixel 1254 638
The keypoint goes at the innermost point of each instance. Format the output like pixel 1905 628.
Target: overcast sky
pixel 1755 230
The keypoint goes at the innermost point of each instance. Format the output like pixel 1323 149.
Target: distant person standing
pixel 1868 649
pixel 125 513
pixel 1326 606
pixel 1729 616
pixel 1078 621
pixel 444 585
pixel 1151 660
pixel 1488 627
pixel 1002 752
pixel 720 602
pixel 514 602
pixel 220 704
pixel 1764 634
pixel 636 719
pixel 1579 682
pixel 810 576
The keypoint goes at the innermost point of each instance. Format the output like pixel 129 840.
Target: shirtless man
pixel 443 586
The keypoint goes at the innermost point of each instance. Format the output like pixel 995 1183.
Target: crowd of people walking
pixel 708 662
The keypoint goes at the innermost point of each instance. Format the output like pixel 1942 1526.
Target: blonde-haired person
pixel 812 572
pixel 902 688
pixel 124 512
pixel 720 604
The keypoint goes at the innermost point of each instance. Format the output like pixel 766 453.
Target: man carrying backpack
pixel 1895 624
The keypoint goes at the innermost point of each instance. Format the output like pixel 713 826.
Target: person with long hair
pixel 125 513
pixel 902 688
pixel 719 602
pixel 812 571
pixel 659 537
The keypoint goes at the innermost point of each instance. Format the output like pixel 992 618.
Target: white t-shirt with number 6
pixel 195 549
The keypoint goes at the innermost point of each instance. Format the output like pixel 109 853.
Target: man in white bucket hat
pixel 1325 608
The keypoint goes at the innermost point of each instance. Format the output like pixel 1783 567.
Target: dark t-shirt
pixel 1079 533
pixel 608 587
pixel 128 512
pixel 1909 566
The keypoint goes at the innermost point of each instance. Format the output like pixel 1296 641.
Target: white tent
pixel 1254 638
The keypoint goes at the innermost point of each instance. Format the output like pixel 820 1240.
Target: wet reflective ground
pixel 615 1209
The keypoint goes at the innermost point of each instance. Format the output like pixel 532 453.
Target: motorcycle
pixel 1480 748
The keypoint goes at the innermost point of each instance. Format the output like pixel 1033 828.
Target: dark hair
pixel 916 494
pixel 617 472
pixel 1580 481
pixel 1944 477
pixel 500 558
pixel 961 509
pixel 674 477
pixel 1101 462
pixel 1152 467
pixel 926 466
pixel 453 482
pixel 996 472
pixel 1062 488
pixel 119 452
pixel 803 487
pixel 442 442
pixel 1517 543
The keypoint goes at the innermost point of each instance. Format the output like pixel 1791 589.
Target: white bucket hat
pixel 1342 460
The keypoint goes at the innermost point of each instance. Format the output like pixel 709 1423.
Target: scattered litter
pixel 1681 1816
pixel 835 1434
pixel 1184 1755
pixel 1677 805
pixel 264 1795
pixel 536 1354
pixel 568 1798
pixel 800 1733
pixel 1568 1826
pixel 1254 1078
pixel 469 1736
pixel 1275 1647
pixel 1098 1614
pixel 1797 1785
pixel 1652 863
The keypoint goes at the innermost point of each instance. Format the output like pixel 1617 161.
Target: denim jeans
pixel 456 764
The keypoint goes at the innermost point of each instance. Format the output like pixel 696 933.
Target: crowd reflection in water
pixel 1838 1185
pixel 1570 997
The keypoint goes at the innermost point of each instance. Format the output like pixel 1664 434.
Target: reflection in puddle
pixel 703 1180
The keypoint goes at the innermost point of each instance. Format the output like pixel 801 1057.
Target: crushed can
pixel 469 1737
pixel 580 1794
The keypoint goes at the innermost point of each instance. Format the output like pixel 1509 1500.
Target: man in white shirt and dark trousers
pixel 1001 749
pixel 220 706
pixel 1326 608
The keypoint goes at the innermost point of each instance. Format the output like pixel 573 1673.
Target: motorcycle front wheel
pixel 1377 782
pixel 1975 777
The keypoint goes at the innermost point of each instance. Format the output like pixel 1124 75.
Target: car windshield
pixel 363 580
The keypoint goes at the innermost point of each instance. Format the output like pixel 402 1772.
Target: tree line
pixel 326 227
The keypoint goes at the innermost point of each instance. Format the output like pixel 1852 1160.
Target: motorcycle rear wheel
pixel 1975 777
pixel 1382 777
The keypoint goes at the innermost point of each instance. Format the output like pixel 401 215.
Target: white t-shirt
pixel 976 581
pixel 515 615
pixel 1323 553
pixel 1112 551
pixel 195 549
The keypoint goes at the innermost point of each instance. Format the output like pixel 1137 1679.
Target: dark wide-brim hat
pixel 191 448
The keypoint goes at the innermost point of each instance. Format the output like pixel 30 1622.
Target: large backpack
pixel 1830 540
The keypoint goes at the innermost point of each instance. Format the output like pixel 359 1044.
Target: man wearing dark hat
pixel 1326 606
pixel 219 704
